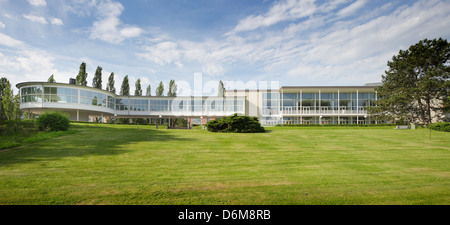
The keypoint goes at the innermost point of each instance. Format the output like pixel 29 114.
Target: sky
pixel 243 43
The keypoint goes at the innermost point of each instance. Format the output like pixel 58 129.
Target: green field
pixel 126 164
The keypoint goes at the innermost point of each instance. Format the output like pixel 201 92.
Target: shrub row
pixel 13 127
pixel 442 126
pixel 235 124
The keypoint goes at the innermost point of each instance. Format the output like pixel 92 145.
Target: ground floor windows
pixel 317 120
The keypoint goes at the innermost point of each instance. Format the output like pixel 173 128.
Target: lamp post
pixel 320 120
pixel 365 119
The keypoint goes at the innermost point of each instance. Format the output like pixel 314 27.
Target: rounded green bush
pixel 235 124
pixel 53 121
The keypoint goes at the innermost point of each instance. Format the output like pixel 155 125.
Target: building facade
pixel 286 105
pixel 310 105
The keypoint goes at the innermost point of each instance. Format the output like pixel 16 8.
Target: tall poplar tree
pixel 97 80
pixel 110 86
pixel 138 90
pixel 160 89
pixel 172 89
pixel 51 79
pixel 148 91
pixel 221 90
pixel 82 75
pixel 125 88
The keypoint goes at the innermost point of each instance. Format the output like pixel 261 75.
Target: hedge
pixel 442 126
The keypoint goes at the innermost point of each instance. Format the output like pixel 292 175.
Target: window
pixel 31 94
pixel 138 104
pixel 60 95
pixel 159 105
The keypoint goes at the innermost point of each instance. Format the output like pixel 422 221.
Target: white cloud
pixel 359 53
pixel 37 2
pixel 108 27
pixel 351 9
pixel 2 25
pixel 280 11
pixel 38 19
pixel 56 21
pixel 320 48
pixel 9 41
pixel 163 53
pixel 214 69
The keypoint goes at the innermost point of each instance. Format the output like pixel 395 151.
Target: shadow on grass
pixel 90 140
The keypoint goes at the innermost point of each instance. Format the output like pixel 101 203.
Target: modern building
pixel 286 105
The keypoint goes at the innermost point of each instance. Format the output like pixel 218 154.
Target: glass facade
pixel 138 104
pixel 315 102
pixel 31 94
pixel 160 105
pixel 121 104
pixel 271 103
pixel 299 106
pixel 60 95
pixel 214 105
pixel 93 98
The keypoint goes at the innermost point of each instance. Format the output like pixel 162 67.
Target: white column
pixel 78 115
pixel 357 102
pixel 357 107
pixel 339 107
pixel 282 100
pixel 320 105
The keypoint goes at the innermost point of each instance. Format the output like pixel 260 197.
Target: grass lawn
pixel 124 164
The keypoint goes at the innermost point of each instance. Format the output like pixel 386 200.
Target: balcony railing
pixel 305 110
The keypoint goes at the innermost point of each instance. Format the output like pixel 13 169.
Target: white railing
pixel 321 111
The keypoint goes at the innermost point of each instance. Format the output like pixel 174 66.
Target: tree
pixel 172 89
pixel 9 104
pixel 110 86
pixel 82 75
pixel 125 88
pixel 416 83
pixel 138 90
pixel 149 91
pixel 51 79
pixel 220 90
pixel 97 80
pixel 160 89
